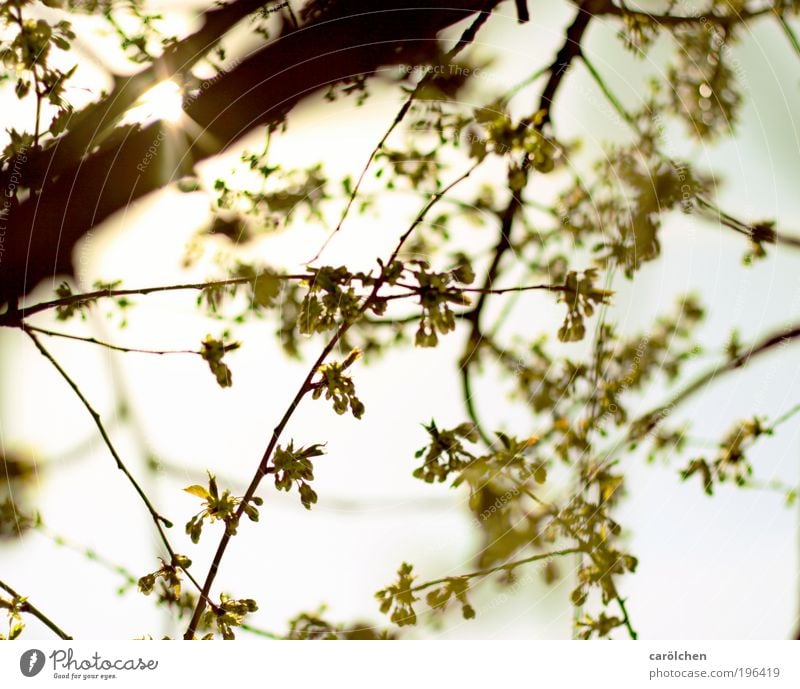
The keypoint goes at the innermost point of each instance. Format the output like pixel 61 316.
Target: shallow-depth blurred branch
pixel 90 554
pixel 22 604
pixel 465 373
pixel 257 631
pixel 506 567
pixel 645 423
pixel 791 35
pixel 608 8
pixel 759 233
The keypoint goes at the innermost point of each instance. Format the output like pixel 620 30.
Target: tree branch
pixel 342 41
pixel 645 423
pixel 13 318
pixel 158 520
pixel 672 20
pixel 305 387
pixel 507 567
pixel 582 549
pixel 466 38
pixel 91 126
pixel 570 49
pixel 760 232
pixel 108 345
pixel 27 606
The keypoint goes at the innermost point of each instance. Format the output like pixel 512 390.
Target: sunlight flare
pixel 162 102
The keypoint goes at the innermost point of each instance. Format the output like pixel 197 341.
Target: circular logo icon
pixel 31 662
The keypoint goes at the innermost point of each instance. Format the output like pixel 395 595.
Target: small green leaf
pixel 198 491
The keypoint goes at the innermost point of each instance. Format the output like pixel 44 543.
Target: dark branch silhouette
pixel 73 191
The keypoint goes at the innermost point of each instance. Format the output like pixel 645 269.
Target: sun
pixel 162 102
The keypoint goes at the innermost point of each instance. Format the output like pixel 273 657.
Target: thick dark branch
pixel 570 49
pixel 349 39
pixel 346 40
pixel 88 128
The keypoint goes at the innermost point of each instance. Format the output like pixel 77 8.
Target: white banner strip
pixel 400 664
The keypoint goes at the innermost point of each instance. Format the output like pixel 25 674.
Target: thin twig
pixel 27 606
pixel 72 299
pixel 527 81
pixel 507 567
pixel 466 38
pixel 307 385
pixel 108 345
pixel 557 70
pixel 625 618
pixel 583 548
pixel 158 520
pixel 765 234
pixel 521 288
pixel 609 94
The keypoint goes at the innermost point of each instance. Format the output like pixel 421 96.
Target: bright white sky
pixel 709 568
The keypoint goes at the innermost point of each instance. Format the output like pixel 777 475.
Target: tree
pixel 467 151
